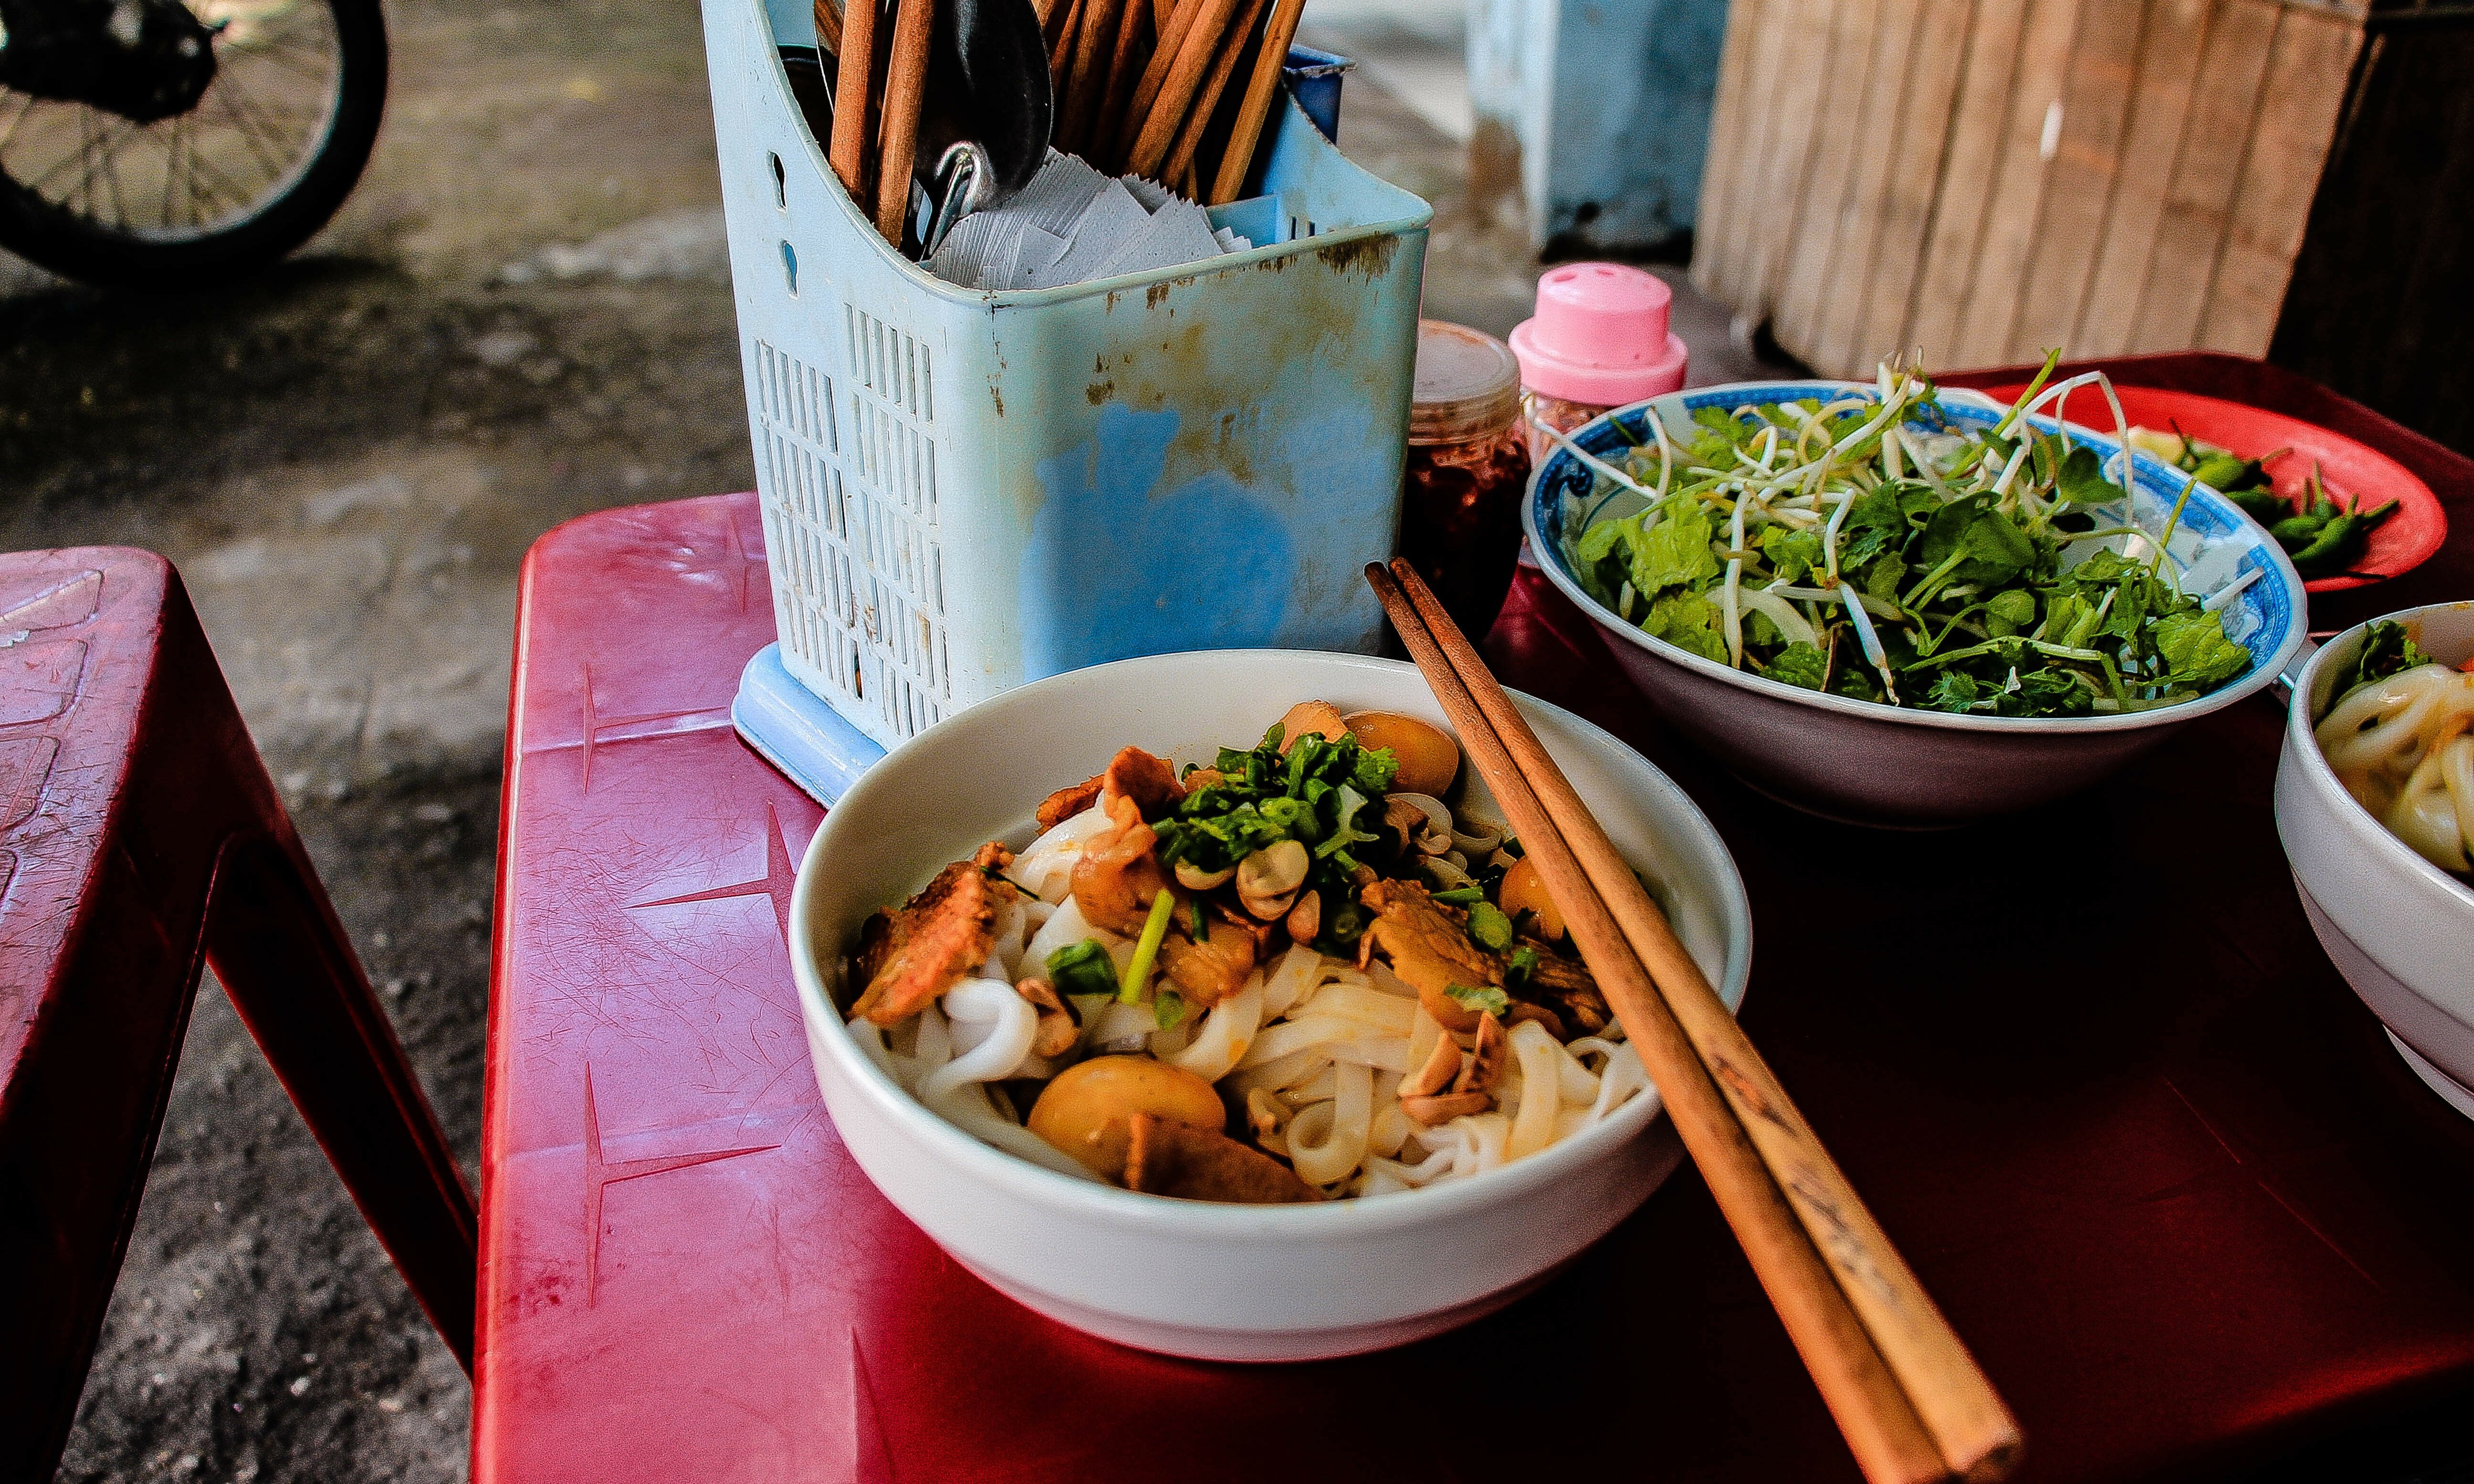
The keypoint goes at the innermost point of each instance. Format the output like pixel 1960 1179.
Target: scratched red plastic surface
pixel 2156 1161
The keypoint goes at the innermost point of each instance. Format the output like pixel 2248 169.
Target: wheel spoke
pixel 236 108
pixel 318 81
pixel 9 133
pixel 89 142
pixel 214 185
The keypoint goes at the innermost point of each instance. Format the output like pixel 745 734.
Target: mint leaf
pixel 1485 998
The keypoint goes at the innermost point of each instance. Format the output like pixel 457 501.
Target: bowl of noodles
pixel 1204 1002
pixel 2375 806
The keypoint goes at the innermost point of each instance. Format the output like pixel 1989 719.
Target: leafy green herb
pixel 1486 999
pixel 1083 968
pixel 1522 968
pixel 1489 928
pixel 1799 664
pixel 2388 650
pixel 2196 650
pixel 1168 1008
pixel 1986 560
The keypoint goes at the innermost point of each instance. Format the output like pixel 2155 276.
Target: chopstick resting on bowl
pixel 1902 1389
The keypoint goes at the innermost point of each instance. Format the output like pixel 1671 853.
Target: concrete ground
pixel 523 314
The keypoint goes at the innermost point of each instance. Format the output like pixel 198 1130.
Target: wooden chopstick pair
pixel 1904 1390
pixel 876 131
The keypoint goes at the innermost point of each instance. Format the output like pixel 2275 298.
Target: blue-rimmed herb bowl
pixel 1867 763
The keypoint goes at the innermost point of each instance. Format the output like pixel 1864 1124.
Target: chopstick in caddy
pixel 1910 1399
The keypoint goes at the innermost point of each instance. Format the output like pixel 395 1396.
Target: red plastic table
pixel 2156 1160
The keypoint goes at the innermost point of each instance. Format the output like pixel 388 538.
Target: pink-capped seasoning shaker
pixel 1598 340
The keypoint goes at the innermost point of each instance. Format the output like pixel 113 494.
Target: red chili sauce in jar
pixel 1467 468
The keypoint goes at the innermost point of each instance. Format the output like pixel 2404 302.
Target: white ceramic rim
pixel 2303 728
pixel 1550 559
pixel 1021 1179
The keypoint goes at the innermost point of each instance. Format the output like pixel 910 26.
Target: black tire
pixel 79 247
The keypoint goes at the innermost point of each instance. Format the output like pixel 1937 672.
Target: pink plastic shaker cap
pixel 1599 336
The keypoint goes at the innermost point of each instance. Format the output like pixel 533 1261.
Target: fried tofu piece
pixel 1151 782
pixel 1210 972
pixel 1564 986
pixel 1427 944
pixel 909 956
pixel 1165 1157
pixel 1071 800
pixel 1311 718
pixel 1118 873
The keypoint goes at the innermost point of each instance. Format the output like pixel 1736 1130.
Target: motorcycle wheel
pixel 252 171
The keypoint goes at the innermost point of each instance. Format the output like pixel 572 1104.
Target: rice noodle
pixel 1226 1032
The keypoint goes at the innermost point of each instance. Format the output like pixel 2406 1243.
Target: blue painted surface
pixel 1608 105
pixel 1116 569
pixel 1635 83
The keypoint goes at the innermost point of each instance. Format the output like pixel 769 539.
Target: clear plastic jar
pixel 1467 468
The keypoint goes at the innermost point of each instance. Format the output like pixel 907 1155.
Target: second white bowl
pixel 2400 929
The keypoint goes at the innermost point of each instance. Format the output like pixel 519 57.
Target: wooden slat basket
pixel 1982 179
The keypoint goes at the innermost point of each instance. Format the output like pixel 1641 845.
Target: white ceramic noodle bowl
pixel 1229 1282
pixel 1900 767
pixel 2400 929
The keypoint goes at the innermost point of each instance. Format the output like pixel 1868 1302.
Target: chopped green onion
pixel 1201 933
pixel 1489 928
pixel 1083 968
pixel 1485 998
pixel 1129 985
pixel 1462 896
pixel 1523 966
pixel 1168 1009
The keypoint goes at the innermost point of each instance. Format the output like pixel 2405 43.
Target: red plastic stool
pixel 140 837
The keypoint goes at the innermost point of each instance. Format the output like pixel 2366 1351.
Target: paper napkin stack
pixel 1072 225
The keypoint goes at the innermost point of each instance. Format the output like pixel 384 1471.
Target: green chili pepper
pixel 2261 505
pixel 2297 531
pixel 2339 542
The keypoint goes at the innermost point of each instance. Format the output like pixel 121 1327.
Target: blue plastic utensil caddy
pixel 965 490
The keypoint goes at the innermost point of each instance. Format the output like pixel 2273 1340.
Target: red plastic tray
pixel 2349 470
